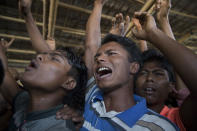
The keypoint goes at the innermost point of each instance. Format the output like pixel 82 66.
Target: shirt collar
pixel 131 115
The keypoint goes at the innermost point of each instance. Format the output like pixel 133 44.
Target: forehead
pixel 111 46
pixel 151 65
pixel 59 53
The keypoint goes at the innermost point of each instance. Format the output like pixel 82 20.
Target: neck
pixel 120 99
pixel 40 101
pixel 156 107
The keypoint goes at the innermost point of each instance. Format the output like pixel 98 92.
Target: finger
pixel 121 17
pixel 118 18
pixel 78 119
pixel 121 28
pixel 10 42
pixel 113 22
pixel 127 20
pixel 137 23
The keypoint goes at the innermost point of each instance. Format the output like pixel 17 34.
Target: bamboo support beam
pixel 19 61
pixel 15 36
pixel 65 29
pixel 27 38
pixel 52 18
pixel 17 20
pixel 21 51
pixel 44 18
pixel 186 36
pixel 73 7
pixel 140 1
pixel 183 14
pixel 75 31
pixel 147 5
pixel 192 47
pixel 174 11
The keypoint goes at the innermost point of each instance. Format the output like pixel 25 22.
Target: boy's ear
pixel 134 67
pixel 70 83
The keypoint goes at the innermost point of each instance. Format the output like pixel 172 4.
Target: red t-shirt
pixel 173 115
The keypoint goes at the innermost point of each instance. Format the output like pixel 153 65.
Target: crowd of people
pixel 117 85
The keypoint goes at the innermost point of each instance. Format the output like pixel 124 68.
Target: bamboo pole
pixel 19 61
pixel 146 6
pixel 44 19
pixel 21 51
pixel 27 38
pixel 73 7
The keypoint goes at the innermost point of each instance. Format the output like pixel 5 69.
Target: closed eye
pixel 143 73
pixel 159 73
pixel 55 58
pixel 110 53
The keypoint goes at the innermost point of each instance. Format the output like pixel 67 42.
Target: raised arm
pixel 184 61
pixel 9 86
pixel 162 12
pixel 93 35
pixel 37 40
pixel 142 43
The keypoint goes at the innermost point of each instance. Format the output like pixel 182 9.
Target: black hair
pixel 1 72
pixel 127 44
pixel 76 97
pixel 154 55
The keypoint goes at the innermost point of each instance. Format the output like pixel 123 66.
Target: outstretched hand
pixel 147 23
pixel 162 8
pixel 119 25
pixel 69 113
pixel 24 6
pixel 5 45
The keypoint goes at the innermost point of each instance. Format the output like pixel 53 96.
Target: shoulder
pixel 52 124
pixel 20 100
pixel 154 121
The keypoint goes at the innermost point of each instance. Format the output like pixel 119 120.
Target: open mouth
pixel 32 65
pixel 103 72
pixel 149 90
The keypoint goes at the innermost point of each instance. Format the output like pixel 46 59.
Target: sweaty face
pixel 153 83
pixel 111 66
pixel 48 71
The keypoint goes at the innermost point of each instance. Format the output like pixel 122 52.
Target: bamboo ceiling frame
pixel 52 26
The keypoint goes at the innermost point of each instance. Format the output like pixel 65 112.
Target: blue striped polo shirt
pixel 136 118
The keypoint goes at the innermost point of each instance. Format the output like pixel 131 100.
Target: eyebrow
pixel 163 70
pixel 57 54
pixel 107 51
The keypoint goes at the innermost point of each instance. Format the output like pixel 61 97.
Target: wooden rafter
pixel 27 38
pixel 147 5
pixel 73 7
pixel 52 18
pixel 45 3
pixel 186 36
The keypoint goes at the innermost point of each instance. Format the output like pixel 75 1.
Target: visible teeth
pixel 149 89
pixel 102 68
